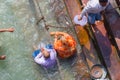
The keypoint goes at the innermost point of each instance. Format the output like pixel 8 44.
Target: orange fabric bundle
pixel 64 49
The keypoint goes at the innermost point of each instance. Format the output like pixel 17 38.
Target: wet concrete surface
pixel 17 46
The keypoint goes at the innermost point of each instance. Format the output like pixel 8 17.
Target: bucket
pixel 98 72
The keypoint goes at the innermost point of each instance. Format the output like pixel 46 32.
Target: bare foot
pixel 10 29
pixel 2 57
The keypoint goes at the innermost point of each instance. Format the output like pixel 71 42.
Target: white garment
pixel 93 6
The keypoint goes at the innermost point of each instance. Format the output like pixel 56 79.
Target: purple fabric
pixel 50 62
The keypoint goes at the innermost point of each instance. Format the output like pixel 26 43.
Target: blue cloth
pixel 36 52
pixel 92 17
pixel 49 46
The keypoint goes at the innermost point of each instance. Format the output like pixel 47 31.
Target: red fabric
pixel 65 51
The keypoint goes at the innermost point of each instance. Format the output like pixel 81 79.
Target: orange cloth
pixel 64 51
pixel 82 35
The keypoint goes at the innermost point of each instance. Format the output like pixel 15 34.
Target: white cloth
pixel 82 22
pixel 93 6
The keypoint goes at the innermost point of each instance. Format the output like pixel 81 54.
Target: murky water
pixel 17 46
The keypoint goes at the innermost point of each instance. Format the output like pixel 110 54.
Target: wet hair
pixel 103 0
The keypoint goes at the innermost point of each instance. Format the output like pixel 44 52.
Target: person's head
pixel 64 41
pixel 103 2
pixel 2 57
pixel 45 53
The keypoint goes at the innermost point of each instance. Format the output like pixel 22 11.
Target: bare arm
pixel 86 8
pixel 58 33
pixel 7 30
